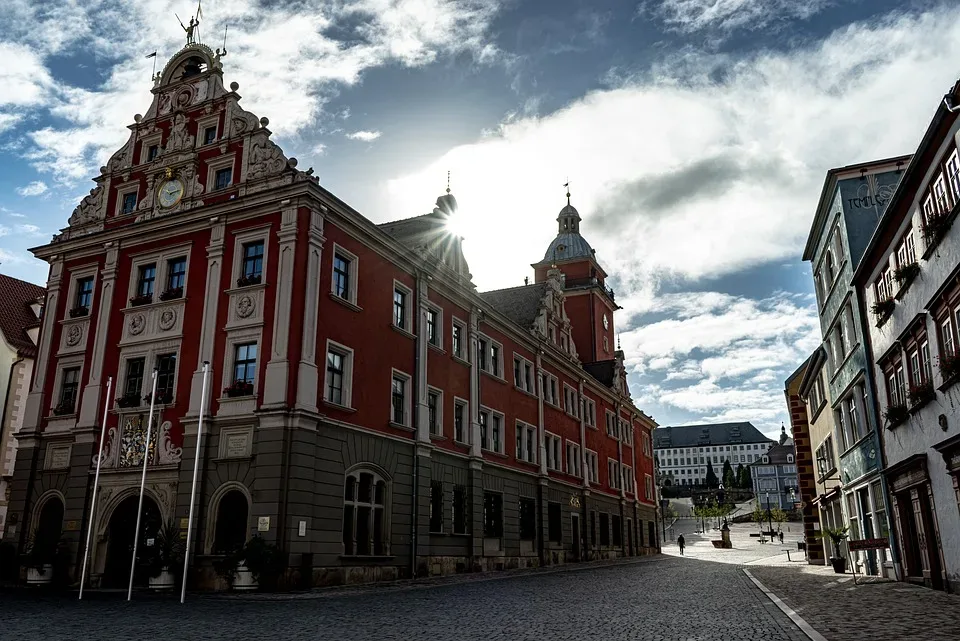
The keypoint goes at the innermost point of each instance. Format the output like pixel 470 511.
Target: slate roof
pixel 777 455
pixel 428 233
pixel 519 304
pixel 16 317
pixel 712 434
pixel 602 371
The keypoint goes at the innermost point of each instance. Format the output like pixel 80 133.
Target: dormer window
pixel 789 458
pixel 209 135
pixel 152 152
pixel 766 459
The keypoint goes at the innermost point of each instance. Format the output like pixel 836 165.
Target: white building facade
pixel 684 452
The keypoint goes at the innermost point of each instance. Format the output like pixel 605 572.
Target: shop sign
pixel 867 544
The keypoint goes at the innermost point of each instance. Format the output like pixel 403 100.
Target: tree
pixel 747 479
pixel 712 480
pixel 729 478
pixel 758 516
pixel 778 515
pixel 740 475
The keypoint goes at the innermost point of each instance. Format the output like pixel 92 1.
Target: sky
pixel 696 135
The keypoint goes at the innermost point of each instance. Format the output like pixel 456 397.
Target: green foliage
pixel 758 515
pixel 168 549
pixel 729 478
pixel 778 515
pixel 712 480
pixel 836 535
pixel 747 481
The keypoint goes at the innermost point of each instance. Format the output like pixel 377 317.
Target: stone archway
pixel 120 535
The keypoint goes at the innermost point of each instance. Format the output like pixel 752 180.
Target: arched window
pixel 231 528
pixel 365 530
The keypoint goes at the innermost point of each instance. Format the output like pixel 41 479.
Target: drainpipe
pixel 419 388
pixel 6 405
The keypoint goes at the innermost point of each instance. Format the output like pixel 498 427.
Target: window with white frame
pixel 343 282
pixel 435 326
pixel 953 175
pixel 365 523
pixel 523 376
pixel 339 377
pixel 554 454
pixel 402 296
pixel 626 430
pixel 589 411
pixel 220 172
pixel 940 193
pixel 69 386
pixel 551 389
pixel 491 431
pixel 461 424
pixel 628 479
pixel 613 474
pixel 573 459
pixel 458 335
pixel 592 468
pixel 245 363
pixel 645 441
pixel 435 411
pixel 496 359
pixel 127 199
pixel 490 355
pixel 526 442
pixel 648 486
pixel 400 398
pixel 611 424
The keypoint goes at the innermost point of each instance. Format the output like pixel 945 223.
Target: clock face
pixel 170 192
pixel 606 322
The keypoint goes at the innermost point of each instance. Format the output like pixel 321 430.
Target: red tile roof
pixel 16 316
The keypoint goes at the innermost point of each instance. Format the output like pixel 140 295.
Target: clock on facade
pixel 170 193
pixel 606 322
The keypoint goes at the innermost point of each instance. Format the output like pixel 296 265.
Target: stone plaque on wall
pixel 235 442
pixel 58 457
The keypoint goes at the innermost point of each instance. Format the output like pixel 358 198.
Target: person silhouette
pixel 681 543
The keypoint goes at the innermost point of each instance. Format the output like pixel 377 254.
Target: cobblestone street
pixel 702 596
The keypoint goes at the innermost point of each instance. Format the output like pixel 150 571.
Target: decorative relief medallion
pixel 137 323
pixel 245 306
pixel 74 334
pixel 168 318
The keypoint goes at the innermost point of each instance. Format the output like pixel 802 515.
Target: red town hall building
pixel 369 412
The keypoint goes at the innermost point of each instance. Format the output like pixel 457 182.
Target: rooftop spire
pixel 567 186
pixel 448 181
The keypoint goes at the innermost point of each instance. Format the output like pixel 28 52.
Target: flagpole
pixel 143 481
pixel 96 484
pixel 193 488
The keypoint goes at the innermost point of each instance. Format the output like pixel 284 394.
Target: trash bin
pixel 801 545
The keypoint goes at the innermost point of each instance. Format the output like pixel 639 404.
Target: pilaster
pixel 211 300
pixel 541 436
pixel 423 412
pixel 278 367
pixel 90 404
pixel 583 439
pixel 35 399
pixel 474 387
pixel 307 374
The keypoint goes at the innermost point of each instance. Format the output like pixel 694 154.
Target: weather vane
pixel 567 187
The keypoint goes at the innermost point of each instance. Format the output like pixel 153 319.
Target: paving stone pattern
pixel 669 599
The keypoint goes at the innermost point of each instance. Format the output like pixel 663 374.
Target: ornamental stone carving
pixel 168 318
pixel 245 306
pixel 90 209
pixel 107 458
pixel 266 159
pixel 167 454
pixel 180 138
pixel 74 334
pixel 137 324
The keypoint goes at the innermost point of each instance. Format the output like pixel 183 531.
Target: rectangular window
pixel 146 276
pixel 166 377
pixel 590 412
pixel 336 377
pixel 436 506
pixel 223 178
pixel 459 422
pixel 925 366
pixel 554 523
pixel 613 474
pixel 528 519
pixel 648 486
pixel 570 401
pixel 628 479
pixel 341 276
pixel 176 274
pixel 901 388
pixel 433 412
pixel 591 469
pixel 496 433
pixel 398 400
pixel 495 360
pixel 492 515
pixel 573 459
pixel 209 135
pixel 554 458
pixel 460 507
pixel 526 443
pixel 457 336
pixel 133 382
pixel 152 152
pixel 604 529
pixel 617 531
pixel 400 308
pixel 433 335
pixel 252 267
pixel 946 336
pixel 611 424
pixel 129 203
pixel 245 363
pixel 69 384
pixel 84 292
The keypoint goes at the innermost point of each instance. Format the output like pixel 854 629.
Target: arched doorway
pixel 231 525
pixel 120 533
pixel 49 523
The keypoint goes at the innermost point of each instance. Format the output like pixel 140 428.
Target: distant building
pixel 683 452
pixel 775 481
pixel 908 285
pixel 19 326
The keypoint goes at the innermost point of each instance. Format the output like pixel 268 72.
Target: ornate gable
pixel 193 132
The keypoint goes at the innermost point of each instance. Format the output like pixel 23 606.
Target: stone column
pixel 308 377
pixel 423 412
pixel 211 300
pixel 89 406
pixel 474 385
pixel 583 438
pixel 278 367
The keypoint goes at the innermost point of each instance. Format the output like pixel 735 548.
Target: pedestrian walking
pixel 781 537
pixel 681 543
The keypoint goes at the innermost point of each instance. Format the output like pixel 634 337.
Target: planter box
pixel 163 582
pixel 35 577
pixel 244 580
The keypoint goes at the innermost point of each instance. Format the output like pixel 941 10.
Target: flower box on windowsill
pixel 63 409
pixel 920 395
pixel 950 370
pixel 163 398
pixel 246 281
pixel 905 275
pixel 128 401
pixel 882 309
pixel 896 415
pixel 143 299
pixel 934 229
pixel 79 311
pixel 172 293
pixel 238 389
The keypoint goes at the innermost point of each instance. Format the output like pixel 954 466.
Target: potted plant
pixel 950 366
pixel 263 560
pixel 921 394
pixel 896 414
pixel 836 535
pixel 163 398
pixel 63 408
pixel 228 564
pixel 245 281
pixel 238 388
pixel 129 400
pixel 79 310
pixel 167 553
pixel 172 294
pixel 882 309
pixel 906 273
pixel 934 228
pixel 40 553
pixel 141 299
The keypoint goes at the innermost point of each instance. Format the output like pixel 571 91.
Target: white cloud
pixel 688 16
pixel 29 230
pixel 35 188
pixel 365 136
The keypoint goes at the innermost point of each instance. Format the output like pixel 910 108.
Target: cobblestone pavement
pixel 666 599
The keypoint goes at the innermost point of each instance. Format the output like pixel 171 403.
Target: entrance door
pixel 575 530
pixel 120 535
